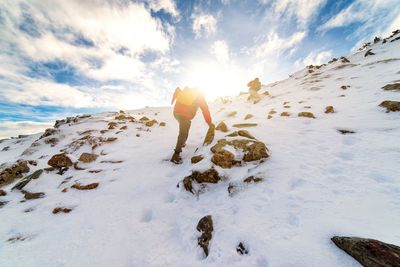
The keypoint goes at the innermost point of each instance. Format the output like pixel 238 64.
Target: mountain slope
pixel 316 183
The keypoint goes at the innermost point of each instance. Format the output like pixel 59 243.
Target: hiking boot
pixel 176 158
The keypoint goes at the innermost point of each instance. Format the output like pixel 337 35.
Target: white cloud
pixel 220 50
pixel 204 25
pixel 13 129
pixel 168 6
pixel 317 59
pixel 275 45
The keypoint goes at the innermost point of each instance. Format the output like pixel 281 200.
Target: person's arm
pixel 204 109
pixel 177 90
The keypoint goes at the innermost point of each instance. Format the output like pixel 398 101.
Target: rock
pixel 232 114
pixel 222 127
pixel 111 161
pixel 344 87
pixel 252 179
pixel 124 117
pixel 205 227
pixel 9 174
pixel 269 117
pixel 253 150
pixel 150 123
pixel 329 109
pixel 79 186
pixel 377 40
pixel 77 167
pixel 108 139
pixel 48 132
pixel 87 157
pixel 392 87
pixel 124 127
pixel 307 107
pixel 285 114
pixel 391 106
pixel 103 131
pixel 306 114
pixel 286 106
pixel 29 195
pixel 369 252
pixel 344 60
pixel 2 193
pixel 244 125
pixel 210 135
pixel 144 118
pixel 234 134
pixel 112 125
pixel 60 161
pixel 6 148
pixel 61 209
pixel 187 184
pixel 223 158
pixel 209 176
pixel 345 131
pixel 248 116
pixel 3 203
pixel 332 60
pixel 245 133
pixel 272 112
pixel 240 249
pixel 369 53
pixel 162 123
pixel 32 162
pixel 196 159
pixel 21 184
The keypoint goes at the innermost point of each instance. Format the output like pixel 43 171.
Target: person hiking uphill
pixel 187 103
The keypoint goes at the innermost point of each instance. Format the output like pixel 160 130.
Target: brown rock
pixel 256 151
pixel 285 114
pixel 205 227
pixel 329 109
pixel 29 195
pixel 222 127
pixel 391 106
pixel 108 139
pixel 48 132
pixel 369 53
pixel 60 161
pixel 61 209
pixel 150 123
pixel 112 125
pixel 248 116
pixel 144 118
pixel 88 157
pixel 272 112
pixel 244 125
pixel 9 174
pixel 65 190
pixel 124 127
pixel 287 106
pixel 79 186
pixel 269 117
pixel 196 159
pixel 232 114
pixel 344 87
pixel 223 158
pixel 369 252
pixel 123 117
pixel 163 123
pixel 245 133
pixel 392 87
pixel 306 114
pixel 252 179
pixel 2 193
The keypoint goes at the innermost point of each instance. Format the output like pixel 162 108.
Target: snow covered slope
pixel 316 183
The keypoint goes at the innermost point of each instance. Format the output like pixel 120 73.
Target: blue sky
pixel 59 58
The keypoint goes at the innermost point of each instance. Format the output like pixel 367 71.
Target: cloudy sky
pixel 60 58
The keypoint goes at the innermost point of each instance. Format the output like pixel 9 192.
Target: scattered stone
pixel 9 174
pixel 205 227
pixel 162 123
pixel 111 161
pixel 285 103
pixel 329 109
pixel 392 87
pixel 48 132
pixel 144 118
pixel 91 186
pixel 222 127
pixel 377 40
pixel 60 161
pixel 124 117
pixel 65 190
pixel 344 60
pixel 308 107
pixel 266 93
pixel 29 195
pixel 3 203
pixel 285 114
pixel 345 131
pixel 150 123
pixel 369 53
pixel 6 148
pixel 248 116
pixel 252 179
pixel 269 117
pixel 112 125
pixel 95 171
pixel 17 238
pixel 196 159
pixel 286 106
pixel 2 193
pixel 137 135
pixel 108 139
pixel 332 60
pixel 391 106
pixel 369 252
pixel 306 114
pixel 124 127
pixel 244 125
pixel 223 158
pixel 32 162
pixel 272 112
pixel 344 87
pixel 21 184
pixel 61 209
pixel 76 167
pixel 87 157
pixel 232 114
pixel 245 133
pixel 253 150
pixel 103 131
pixel 241 249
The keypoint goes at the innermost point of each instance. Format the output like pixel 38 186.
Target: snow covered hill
pixel 124 204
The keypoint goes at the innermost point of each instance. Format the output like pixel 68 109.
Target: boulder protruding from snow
pixel 196 159
pixel 306 114
pixel 209 176
pixel 222 127
pixel 88 157
pixel 21 184
pixel 9 174
pixel 392 87
pixel 79 186
pixel 329 109
pixel 253 150
pixel 60 161
pixel 205 227
pixel 369 252
pixel 390 105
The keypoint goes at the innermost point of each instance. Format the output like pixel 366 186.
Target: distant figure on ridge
pixel 188 101
pixel 254 87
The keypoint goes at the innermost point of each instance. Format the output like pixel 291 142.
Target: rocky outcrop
pixel 60 161
pixel 15 171
pixel 48 132
pixel 392 87
pixel 87 157
pixel 306 114
pixel 253 150
pixel 391 106
pixel 222 127
pixel 21 184
pixel 369 252
pixel 205 227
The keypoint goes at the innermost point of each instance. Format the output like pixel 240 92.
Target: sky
pixel 62 58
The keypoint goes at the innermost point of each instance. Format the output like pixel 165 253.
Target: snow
pixel 317 182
